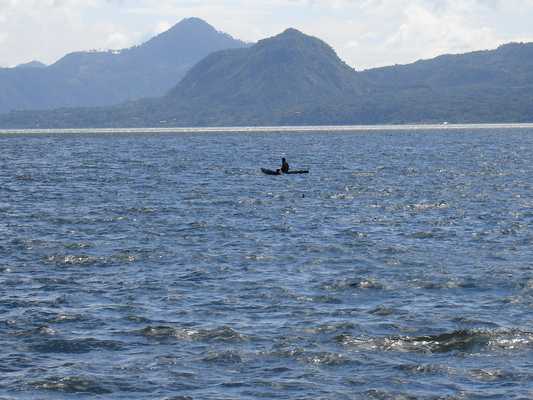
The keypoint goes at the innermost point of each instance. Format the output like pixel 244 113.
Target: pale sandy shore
pixel 274 129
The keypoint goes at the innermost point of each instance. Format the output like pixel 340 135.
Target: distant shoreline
pixel 273 129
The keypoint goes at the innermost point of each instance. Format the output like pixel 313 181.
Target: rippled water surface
pixel 166 266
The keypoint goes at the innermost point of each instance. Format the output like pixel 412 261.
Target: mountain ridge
pixel 32 64
pixel 296 79
pixel 93 78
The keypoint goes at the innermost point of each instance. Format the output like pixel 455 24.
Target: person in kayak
pixel 284 166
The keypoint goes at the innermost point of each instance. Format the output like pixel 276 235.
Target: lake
pixel 167 266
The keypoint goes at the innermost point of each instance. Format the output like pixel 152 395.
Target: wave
pixel 426 369
pixel 325 358
pixel 167 332
pixel 55 281
pixel 179 398
pixel 73 259
pixel 382 311
pixel 73 384
pixel 347 284
pixel 75 346
pixel 456 283
pixel 62 317
pixel 420 207
pixel 223 357
pixel 39 331
pixel 88 260
pixel 492 375
pixel 330 328
pixel 463 341
pixel 223 333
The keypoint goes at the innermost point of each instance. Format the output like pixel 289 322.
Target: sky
pixel 365 33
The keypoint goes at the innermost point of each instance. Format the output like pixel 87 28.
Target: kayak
pixel 295 172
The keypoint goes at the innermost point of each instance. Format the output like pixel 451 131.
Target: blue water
pixel 166 266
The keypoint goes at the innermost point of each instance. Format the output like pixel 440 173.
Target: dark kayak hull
pixel 295 172
pixel 270 172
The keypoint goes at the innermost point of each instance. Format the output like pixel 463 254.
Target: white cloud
pixel 381 32
pixel 117 40
pixel 364 32
pixel 424 32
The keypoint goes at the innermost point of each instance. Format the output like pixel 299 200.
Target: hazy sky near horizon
pixel 365 33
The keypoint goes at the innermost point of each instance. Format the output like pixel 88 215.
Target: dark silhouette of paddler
pixel 284 166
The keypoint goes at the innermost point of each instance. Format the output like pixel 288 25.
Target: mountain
pixel 273 81
pixel 297 79
pixel 508 65
pixel 105 78
pixel 482 86
pixel 32 64
pixel 293 78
